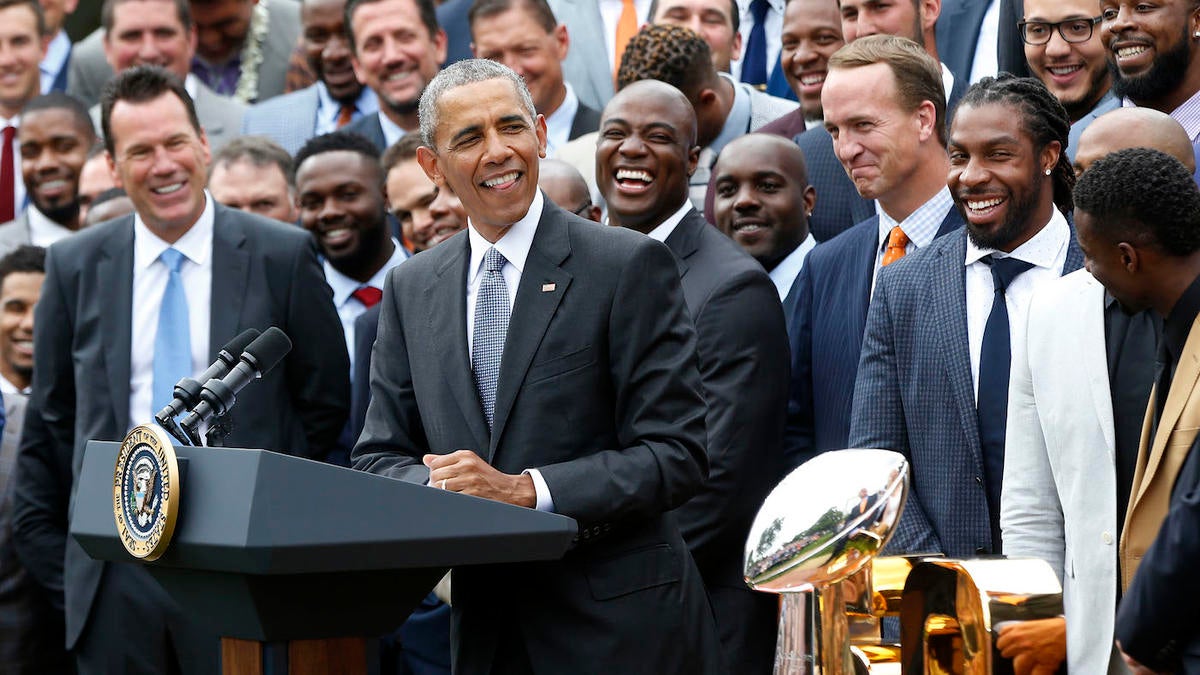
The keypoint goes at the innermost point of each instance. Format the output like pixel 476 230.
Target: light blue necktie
pixel 173 343
pixel 487 335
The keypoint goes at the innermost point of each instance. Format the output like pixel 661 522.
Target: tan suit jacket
pixel 1160 458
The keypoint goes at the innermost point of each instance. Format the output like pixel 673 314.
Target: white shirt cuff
pixel 544 501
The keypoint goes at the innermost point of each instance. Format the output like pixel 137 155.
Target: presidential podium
pixel 274 548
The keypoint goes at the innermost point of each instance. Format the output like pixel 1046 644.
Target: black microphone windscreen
pixel 269 348
pixel 237 345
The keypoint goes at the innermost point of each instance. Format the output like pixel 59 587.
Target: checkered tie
pixel 491 325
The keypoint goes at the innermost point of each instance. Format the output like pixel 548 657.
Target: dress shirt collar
pixel 666 227
pixel 738 122
pixel 947 80
pixel 391 131
pixel 515 243
pixel 1041 250
pixel 559 122
pixel 195 244
pixel 1187 114
pixel 11 122
pixel 329 109
pixel 343 286
pixel 57 53
pixel 7 387
pixel 784 274
pixel 922 225
pixel 42 230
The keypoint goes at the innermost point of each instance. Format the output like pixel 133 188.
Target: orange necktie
pixel 897 240
pixel 345 115
pixel 626 29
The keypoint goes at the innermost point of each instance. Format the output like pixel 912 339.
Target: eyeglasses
pixel 1071 30
pixel 583 209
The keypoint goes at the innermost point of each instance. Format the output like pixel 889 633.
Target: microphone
pixel 218 395
pixel 187 390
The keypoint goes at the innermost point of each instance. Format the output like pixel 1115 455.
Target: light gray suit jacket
pixel 89 70
pixel 221 117
pixel 1109 102
pixel 586 66
pixel 289 120
pixel 1059 501
pixel 14 233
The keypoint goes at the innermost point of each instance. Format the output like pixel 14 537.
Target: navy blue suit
pixel 827 313
pixel 452 17
pixel 958 32
pixel 915 394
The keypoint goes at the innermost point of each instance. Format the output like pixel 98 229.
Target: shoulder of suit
pixel 282 103
pixel 267 229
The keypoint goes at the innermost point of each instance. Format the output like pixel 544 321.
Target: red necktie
pixel 369 296
pixel 8 191
pixel 345 115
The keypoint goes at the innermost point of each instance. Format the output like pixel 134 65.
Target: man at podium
pixel 541 360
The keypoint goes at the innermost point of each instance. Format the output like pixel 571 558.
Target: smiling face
pixel 1150 50
pixel 812 32
pixel 428 214
pixel 327 47
pixel 341 203
pixel 53 149
pixel 645 154
pixel 394 53
pixel 516 39
pixel 711 20
pixel 161 161
pixel 1075 72
pixel 244 185
pixel 148 32
pixel 21 50
pixel 904 18
pixel 19 293
pixel 997 177
pixel 761 198
pixel 486 151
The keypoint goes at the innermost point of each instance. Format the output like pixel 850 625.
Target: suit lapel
pixel 230 265
pixel 1186 374
pixel 446 304
pixel 685 239
pixel 946 289
pixel 543 285
pixel 1094 359
pixel 114 271
pixel 861 273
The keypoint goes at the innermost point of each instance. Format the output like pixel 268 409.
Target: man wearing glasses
pixel 1064 51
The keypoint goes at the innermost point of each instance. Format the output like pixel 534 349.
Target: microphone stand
pixel 175 430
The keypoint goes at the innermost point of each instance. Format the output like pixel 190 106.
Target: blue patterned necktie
pixel 995 357
pixel 173 342
pixel 754 62
pixel 491 325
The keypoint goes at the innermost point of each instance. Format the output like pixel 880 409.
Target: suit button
pixel 979 479
pixel 982 550
pixel 1106 538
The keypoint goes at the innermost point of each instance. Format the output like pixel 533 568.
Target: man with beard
pixel 933 377
pixel 883 106
pixel 54 138
pixel 1154 57
pixel 397 48
pixel 1065 51
pixel 335 100
pixel 647 149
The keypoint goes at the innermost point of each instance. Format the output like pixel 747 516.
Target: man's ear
pixel 429 164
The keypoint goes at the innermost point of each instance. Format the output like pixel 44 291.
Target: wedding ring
pixel 443 483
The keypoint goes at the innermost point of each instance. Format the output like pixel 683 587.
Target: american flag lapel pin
pixel 548 288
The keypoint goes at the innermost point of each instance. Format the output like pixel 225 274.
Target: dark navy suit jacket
pixel 827 313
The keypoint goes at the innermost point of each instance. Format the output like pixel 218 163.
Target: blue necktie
pixel 777 84
pixel 754 61
pixel 995 357
pixel 491 326
pixel 173 342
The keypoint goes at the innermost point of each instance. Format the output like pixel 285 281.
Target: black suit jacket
pixel 598 389
pixel 264 274
pixel 586 121
pixel 958 33
pixel 366 326
pixel 368 126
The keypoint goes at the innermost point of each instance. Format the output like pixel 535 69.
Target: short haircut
pixel 403 150
pixel 918 76
pixel 39 15
pixel 141 84
pixel 57 100
pixel 259 151
pixel 538 9
pixel 340 141
pixel 1042 116
pixel 735 17
pixel 462 73
pixel 183 12
pixel 425 8
pixel 25 258
pixel 108 195
pixel 667 53
pixel 1143 196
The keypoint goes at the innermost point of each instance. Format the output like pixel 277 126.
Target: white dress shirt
pixel 349 307
pixel 514 246
pixel 1047 250
pixel 391 131
pixel 610 14
pixel 559 122
pixel 784 274
pixel 774 30
pixel 666 227
pixel 149 283
pixel 986 61
pixel 328 110
pixel 42 230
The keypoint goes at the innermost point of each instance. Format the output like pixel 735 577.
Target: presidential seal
pixel 146 492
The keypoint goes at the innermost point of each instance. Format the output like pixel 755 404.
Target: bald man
pixel 1134 128
pixel 565 186
pixel 1068 475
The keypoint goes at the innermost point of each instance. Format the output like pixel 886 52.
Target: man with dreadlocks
pixel 933 377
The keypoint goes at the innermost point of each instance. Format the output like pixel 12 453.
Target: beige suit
pixel 1160 458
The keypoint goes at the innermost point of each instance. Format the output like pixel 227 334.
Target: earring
pixel 1048 172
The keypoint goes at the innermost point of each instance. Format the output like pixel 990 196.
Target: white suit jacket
pixel 1059 500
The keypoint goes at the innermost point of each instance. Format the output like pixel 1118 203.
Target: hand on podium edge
pixel 466 472
pixel 1036 647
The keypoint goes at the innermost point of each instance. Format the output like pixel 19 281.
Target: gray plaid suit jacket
pixel 914 394
pixel 289 120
